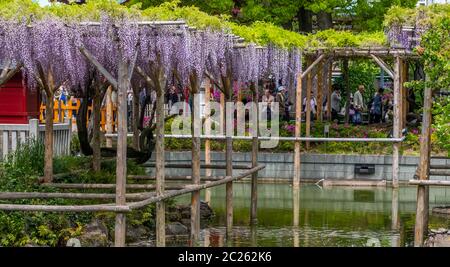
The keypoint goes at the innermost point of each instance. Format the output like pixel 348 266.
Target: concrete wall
pixel 313 166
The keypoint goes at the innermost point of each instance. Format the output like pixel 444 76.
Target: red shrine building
pixel 18 104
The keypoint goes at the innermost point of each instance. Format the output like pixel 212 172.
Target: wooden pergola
pixel 316 59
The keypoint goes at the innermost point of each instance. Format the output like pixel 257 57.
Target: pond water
pixel 337 216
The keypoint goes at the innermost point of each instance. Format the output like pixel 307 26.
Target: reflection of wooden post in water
pixel 395 224
pixel 306 229
pixel 206 237
pixel 395 212
pixel 295 215
pixel 253 238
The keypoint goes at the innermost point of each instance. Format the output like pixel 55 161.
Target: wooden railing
pixel 69 111
pixel 13 135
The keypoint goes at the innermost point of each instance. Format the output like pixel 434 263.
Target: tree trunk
pixel 48 157
pixel 136 119
pixel 305 20
pixel 96 113
pixel 83 135
pixel 324 20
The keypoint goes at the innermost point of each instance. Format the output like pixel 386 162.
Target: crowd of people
pixel 379 108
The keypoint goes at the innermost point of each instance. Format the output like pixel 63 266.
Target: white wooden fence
pixel 14 134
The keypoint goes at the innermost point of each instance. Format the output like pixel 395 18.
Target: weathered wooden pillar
pixel 298 127
pixel 308 106
pixel 255 143
pixel 207 132
pixel 330 88
pixel 347 89
pixel 121 163
pixel 404 92
pixel 421 226
pixel 160 162
pixel 320 69
pixel 396 122
pixel 228 154
pixel 109 116
pixel 196 144
pixel 222 111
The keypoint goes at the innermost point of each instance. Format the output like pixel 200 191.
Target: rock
pixel 32 245
pixel 137 233
pixel 185 212
pixel 176 228
pixel 174 216
pixel 186 222
pixel 73 242
pixel 439 231
pixel 438 240
pixel 205 211
pixel 95 234
pixel 142 243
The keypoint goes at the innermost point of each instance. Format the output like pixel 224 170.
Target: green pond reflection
pixel 315 216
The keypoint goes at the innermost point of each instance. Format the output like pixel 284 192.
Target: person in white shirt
pixel 267 100
pixel 313 104
pixel 358 102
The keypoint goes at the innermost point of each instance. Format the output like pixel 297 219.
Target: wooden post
pixel 96 112
pixel 121 168
pixel 255 143
pixel 298 127
pixel 347 90
pixel 160 158
pixel 196 144
pixel 319 90
pixel 404 91
pixel 308 107
pixel 207 132
pixel 396 122
pixel 330 88
pixel 229 118
pixel 421 226
pixel 109 116
pixel 222 111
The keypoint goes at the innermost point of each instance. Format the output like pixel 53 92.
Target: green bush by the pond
pixel 20 172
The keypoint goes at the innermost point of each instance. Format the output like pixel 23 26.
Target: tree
pixel 214 7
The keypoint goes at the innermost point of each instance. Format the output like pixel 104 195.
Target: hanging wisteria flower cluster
pixel 54 46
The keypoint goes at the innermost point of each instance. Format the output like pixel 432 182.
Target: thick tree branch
pixel 99 66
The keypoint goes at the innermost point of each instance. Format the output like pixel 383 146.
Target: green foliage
pixel 435 55
pixel 441 124
pixel 360 72
pixel 21 168
pixel 261 33
pixel 75 145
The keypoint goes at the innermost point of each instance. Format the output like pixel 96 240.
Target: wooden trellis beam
pixel 311 67
pixel 383 65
